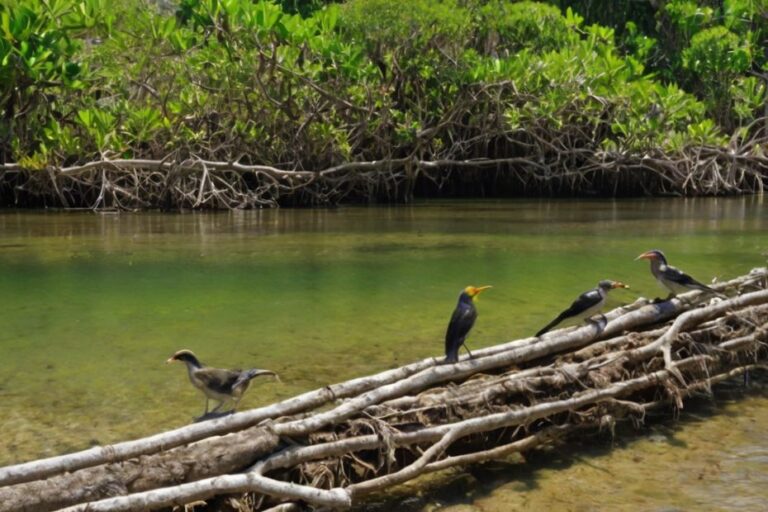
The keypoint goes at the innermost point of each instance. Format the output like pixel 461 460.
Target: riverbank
pixel 197 184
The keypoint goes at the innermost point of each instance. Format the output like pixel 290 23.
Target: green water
pixel 93 305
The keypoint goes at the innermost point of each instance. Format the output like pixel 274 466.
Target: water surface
pixel 93 304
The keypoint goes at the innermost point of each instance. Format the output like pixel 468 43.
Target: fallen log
pixel 389 428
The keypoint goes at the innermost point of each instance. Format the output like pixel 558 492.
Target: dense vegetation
pixel 228 103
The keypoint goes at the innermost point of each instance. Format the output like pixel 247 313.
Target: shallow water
pixel 94 304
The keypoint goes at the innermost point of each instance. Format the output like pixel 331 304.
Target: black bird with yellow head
pixel 461 323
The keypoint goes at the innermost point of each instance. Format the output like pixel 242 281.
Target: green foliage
pixel 716 54
pixel 313 85
pixel 527 25
pixel 688 17
pixel 749 98
pixel 390 25
pixel 639 44
pixel 40 53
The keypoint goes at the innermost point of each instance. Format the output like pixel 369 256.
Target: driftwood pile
pixel 331 447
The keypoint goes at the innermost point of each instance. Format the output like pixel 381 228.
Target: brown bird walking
pixel 216 383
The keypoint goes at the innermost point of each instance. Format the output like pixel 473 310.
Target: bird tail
pixel 246 376
pixel 550 325
pixel 705 288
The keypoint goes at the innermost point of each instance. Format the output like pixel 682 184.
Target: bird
pixel 217 383
pixel 586 305
pixel 671 278
pixel 461 323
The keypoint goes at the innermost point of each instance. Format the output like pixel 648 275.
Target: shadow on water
pixel 474 487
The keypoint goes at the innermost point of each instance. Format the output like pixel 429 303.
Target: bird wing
pixel 217 379
pixel 677 276
pixel 462 320
pixel 583 303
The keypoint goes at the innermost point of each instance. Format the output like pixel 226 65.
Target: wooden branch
pixel 296 455
pixel 694 317
pixel 203 489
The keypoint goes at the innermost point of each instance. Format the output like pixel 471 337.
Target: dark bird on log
pixel 216 383
pixel 671 278
pixel 586 305
pixel 461 323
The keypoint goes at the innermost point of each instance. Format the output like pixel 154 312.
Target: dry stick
pixel 545 435
pixel 444 395
pixel 554 431
pixel 284 507
pixel 412 470
pixel 202 489
pixel 34 470
pixel 296 455
pixel 512 418
pixel 693 317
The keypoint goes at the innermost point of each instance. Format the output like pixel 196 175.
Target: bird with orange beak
pixel 461 323
pixel 671 278
pixel 586 305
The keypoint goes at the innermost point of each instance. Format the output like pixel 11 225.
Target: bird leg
pixel 599 324
pixel 221 402
pixel 659 300
pixel 467 349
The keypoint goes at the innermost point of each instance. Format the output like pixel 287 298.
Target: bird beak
pixel 618 284
pixel 645 256
pixel 478 290
pixel 170 360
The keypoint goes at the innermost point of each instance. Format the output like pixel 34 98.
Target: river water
pixel 93 305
